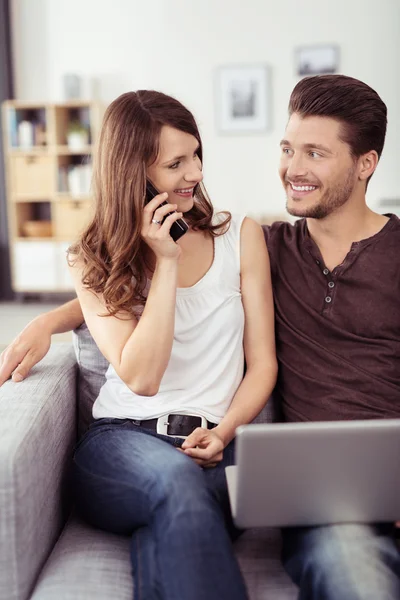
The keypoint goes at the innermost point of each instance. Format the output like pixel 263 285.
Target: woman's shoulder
pixel 235 222
pixel 241 231
pixel 230 239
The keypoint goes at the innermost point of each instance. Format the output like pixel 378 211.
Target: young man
pixel 336 280
pixel 336 283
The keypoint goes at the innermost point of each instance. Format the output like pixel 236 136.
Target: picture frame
pixel 243 99
pixel 317 60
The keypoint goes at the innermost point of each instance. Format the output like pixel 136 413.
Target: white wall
pixel 176 45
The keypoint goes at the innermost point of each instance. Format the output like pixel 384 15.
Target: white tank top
pixel 207 358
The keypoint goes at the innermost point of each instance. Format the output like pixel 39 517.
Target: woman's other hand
pixel 28 348
pixel 204 446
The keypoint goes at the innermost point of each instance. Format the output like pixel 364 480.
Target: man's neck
pixel 346 225
pixel 335 234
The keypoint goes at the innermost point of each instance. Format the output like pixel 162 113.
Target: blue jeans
pixel 132 481
pixel 343 562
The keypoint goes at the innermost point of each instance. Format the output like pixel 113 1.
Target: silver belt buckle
pixel 163 422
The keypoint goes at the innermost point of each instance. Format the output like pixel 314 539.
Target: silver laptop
pixel 316 473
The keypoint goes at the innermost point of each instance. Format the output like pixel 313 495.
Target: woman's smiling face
pixel 177 169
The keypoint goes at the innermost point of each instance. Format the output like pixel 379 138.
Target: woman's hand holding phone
pixel 178 227
pixel 156 230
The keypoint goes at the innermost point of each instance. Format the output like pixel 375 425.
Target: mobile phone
pixel 179 227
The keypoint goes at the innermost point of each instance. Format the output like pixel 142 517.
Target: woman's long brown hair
pixel 111 248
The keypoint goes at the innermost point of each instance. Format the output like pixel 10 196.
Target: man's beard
pixel 334 198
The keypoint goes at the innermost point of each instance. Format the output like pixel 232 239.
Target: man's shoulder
pixel 282 231
pixel 393 223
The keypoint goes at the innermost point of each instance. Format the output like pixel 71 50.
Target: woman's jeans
pixel 132 481
pixel 343 562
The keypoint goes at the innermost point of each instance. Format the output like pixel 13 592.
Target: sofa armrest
pixel 37 434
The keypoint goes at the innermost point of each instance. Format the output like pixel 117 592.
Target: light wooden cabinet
pixel 70 217
pixel 48 154
pixel 32 176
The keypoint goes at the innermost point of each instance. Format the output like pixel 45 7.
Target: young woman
pixel 177 322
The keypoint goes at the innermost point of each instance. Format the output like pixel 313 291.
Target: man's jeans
pixel 133 481
pixel 343 562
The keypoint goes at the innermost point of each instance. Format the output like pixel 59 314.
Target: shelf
pixel 66 151
pixel 60 150
pixel 68 196
pixel 34 151
pixel 34 239
pixel 76 104
pixel 31 198
pixel 22 105
pixel 54 238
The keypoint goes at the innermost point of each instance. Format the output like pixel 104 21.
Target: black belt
pixel 176 425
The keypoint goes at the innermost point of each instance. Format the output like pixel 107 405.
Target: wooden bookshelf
pixel 48 175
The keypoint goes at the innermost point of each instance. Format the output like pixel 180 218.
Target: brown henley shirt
pixel 337 333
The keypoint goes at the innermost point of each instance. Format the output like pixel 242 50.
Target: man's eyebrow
pixel 308 146
pixel 176 158
pixel 317 147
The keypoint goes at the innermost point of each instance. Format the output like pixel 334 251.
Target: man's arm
pixel 33 343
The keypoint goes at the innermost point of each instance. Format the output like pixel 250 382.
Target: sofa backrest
pixel 92 371
pixel 92 374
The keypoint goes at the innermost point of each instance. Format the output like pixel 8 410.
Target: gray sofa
pixel 46 552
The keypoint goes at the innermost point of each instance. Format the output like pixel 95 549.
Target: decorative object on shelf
pixel 25 135
pixel 12 127
pixel 39 134
pixel 37 229
pixel 79 179
pixel 77 136
pixel 72 86
pixel 243 99
pixel 26 127
pixel 317 60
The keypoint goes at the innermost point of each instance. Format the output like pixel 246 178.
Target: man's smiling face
pixel 317 169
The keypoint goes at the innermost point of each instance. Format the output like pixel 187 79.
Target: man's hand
pixel 28 348
pixel 204 446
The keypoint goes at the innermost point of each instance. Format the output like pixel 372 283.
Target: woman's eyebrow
pixel 176 158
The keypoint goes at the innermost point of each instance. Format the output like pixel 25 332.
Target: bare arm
pixel 140 350
pixel 33 343
pixel 259 346
pixel 259 334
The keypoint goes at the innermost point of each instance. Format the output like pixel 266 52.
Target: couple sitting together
pixel 200 328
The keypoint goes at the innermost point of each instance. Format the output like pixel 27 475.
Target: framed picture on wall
pixel 317 60
pixel 243 99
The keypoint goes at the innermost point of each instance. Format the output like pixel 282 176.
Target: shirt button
pixel 331 284
pixel 325 271
pixel 317 261
pixel 328 299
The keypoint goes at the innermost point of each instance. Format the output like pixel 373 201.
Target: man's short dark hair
pixel 357 106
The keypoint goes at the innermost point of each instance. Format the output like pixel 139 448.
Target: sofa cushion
pixel 259 554
pixel 86 563
pixel 89 563
pixel 92 370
